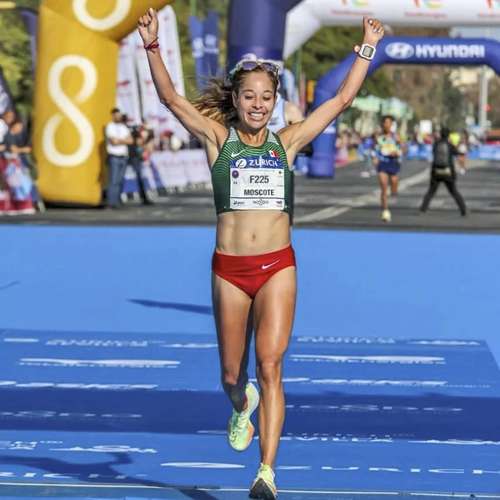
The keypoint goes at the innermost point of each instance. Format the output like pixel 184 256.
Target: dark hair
pixel 216 101
pixel 115 110
pixel 388 117
pixel 445 132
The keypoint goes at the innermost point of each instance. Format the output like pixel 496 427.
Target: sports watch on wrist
pixel 367 51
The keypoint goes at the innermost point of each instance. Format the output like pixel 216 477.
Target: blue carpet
pixel 108 356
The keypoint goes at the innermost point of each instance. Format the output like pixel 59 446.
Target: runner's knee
pixel 269 370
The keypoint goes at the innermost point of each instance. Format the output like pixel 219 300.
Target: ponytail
pixel 216 102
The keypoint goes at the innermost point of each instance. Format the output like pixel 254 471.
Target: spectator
pixel 118 139
pixel 6 122
pixel 463 149
pixel 136 157
pixel 366 151
pixel 443 170
pixel 17 142
pixel 148 138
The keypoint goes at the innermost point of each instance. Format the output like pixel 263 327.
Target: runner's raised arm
pixel 206 130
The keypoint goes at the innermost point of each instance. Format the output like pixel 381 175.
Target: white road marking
pixel 362 200
pixel 238 490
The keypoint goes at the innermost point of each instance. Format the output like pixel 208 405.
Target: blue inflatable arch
pixel 262 34
pixel 397 50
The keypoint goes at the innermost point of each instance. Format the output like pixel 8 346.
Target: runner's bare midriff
pixel 252 232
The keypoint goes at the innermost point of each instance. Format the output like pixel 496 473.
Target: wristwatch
pixel 367 51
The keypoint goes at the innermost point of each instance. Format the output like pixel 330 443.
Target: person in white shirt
pixel 284 113
pixel 118 139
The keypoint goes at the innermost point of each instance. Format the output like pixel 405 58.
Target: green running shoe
pixel 240 429
pixel 263 486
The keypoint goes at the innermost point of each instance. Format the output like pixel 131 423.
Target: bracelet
pixel 153 45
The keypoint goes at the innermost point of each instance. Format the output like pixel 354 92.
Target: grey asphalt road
pixel 347 201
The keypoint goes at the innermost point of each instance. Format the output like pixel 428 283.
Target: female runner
pixel 254 274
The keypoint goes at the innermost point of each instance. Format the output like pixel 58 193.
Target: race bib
pixel 388 149
pixel 257 188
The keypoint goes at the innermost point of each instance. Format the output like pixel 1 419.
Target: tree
pixel 494 97
pixel 15 57
pixel 328 47
pixel 454 104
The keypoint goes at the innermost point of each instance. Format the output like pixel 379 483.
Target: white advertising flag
pixel 153 112
pixel 127 90
pixel 149 98
pixel 168 39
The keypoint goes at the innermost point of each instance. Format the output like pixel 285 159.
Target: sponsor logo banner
pixel 406 51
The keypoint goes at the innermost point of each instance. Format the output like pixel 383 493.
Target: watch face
pixel 367 51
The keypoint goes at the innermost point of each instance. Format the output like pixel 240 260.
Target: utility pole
pixel 297 64
pixel 482 118
pixel 483 98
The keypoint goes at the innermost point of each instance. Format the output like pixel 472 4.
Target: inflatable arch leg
pixel 75 90
pixel 258 27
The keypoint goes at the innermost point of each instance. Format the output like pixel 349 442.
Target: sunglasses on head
pixel 251 64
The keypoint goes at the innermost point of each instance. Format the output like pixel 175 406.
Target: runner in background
pixel 388 154
pixel 286 113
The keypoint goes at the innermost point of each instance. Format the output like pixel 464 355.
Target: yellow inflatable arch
pixel 75 91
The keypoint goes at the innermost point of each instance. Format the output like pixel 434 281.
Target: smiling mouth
pixel 256 116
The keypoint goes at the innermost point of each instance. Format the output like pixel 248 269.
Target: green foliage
pixel 494 97
pixel 328 47
pixel 15 57
pixel 29 4
pixel 454 104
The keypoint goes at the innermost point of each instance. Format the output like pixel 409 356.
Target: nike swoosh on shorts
pixel 267 266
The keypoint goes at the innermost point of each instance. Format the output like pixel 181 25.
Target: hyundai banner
pixel 397 50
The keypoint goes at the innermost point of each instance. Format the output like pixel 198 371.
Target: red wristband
pixel 153 45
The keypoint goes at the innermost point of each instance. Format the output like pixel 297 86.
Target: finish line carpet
pixel 109 371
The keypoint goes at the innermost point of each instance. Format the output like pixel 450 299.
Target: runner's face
pixel 387 125
pixel 255 99
pixel 9 117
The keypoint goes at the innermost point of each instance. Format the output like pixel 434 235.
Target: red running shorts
pixel 250 272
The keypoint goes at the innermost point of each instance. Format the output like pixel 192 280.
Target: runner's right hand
pixel 148 26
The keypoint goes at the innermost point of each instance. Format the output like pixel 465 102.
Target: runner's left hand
pixel 373 30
